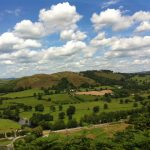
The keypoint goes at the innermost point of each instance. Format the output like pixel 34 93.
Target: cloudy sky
pixel 47 36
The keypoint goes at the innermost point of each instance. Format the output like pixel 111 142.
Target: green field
pixel 25 93
pixel 82 108
pixel 8 125
pixel 84 105
pixel 140 79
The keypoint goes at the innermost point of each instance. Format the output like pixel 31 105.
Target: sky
pixel 48 36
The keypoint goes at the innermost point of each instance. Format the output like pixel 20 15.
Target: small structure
pixel 24 121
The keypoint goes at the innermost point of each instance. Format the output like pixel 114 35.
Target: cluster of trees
pixel 41 119
pixel 44 120
pixel 63 84
pixel 107 117
pixel 136 136
pixel 12 112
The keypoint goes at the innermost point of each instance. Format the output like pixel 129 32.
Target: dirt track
pixel 97 93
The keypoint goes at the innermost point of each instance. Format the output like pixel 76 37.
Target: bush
pixel 105 106
pixel 61 115
pixel 96 109
pixel 72 123
pixel 39 107
pixel 59 124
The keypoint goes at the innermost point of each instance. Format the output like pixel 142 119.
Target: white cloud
pixel 135 47
pixel 144 26
pixel 59 17
pixel 72 35
pixel 111 18
pixel 141 16
pixel 116 19
pixel 24 47
pixel 9 43
pixel 70 48
pixel 109 3
pixel 27 29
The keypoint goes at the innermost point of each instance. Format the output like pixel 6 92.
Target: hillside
pixel 45 80
pixel 105 77
pixel 92 77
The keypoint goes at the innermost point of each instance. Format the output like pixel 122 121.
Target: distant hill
pixel 104 76
pixel 91 77
pixel 45 80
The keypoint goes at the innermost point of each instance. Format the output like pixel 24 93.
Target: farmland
pixel 105 101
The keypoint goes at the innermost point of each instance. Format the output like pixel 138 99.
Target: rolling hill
pixel 45 80
pixel 92 77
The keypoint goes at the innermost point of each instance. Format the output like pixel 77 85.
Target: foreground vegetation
pixel 136 136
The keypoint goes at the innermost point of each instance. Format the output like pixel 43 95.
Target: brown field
pixel 97 93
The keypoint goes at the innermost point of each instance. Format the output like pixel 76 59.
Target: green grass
pixel 25 93
pixel 5 142
pixel 82 108
pixel 8 125
pixel 60 98
pixel 140 79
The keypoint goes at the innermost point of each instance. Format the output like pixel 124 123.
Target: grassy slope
pixel 8 125
pixel 82 108
pixel 140 79
pixel 25 93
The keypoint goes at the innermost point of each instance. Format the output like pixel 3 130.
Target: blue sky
pixel 48 36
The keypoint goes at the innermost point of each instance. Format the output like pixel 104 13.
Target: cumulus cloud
pixel 28 29
pixel 70 48
pixel 72 35
pixel 9 43
pixel 59 17
pixel 111 18
pixel 144 26
pixel 116 19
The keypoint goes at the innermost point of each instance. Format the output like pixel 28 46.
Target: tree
pixel 38 131
pixel 71 110
pixel 96 109
pixel 107 98
pixel 72 123
pixel 121 101
pixel 138 98
pixel 52 108
pixel 39 96
pixel 126 101
pixel 61 115
pixel 39 107
pixel 34 95
pixel 60 107
pixel 105 106
pixel 59 124
pixel 135 104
